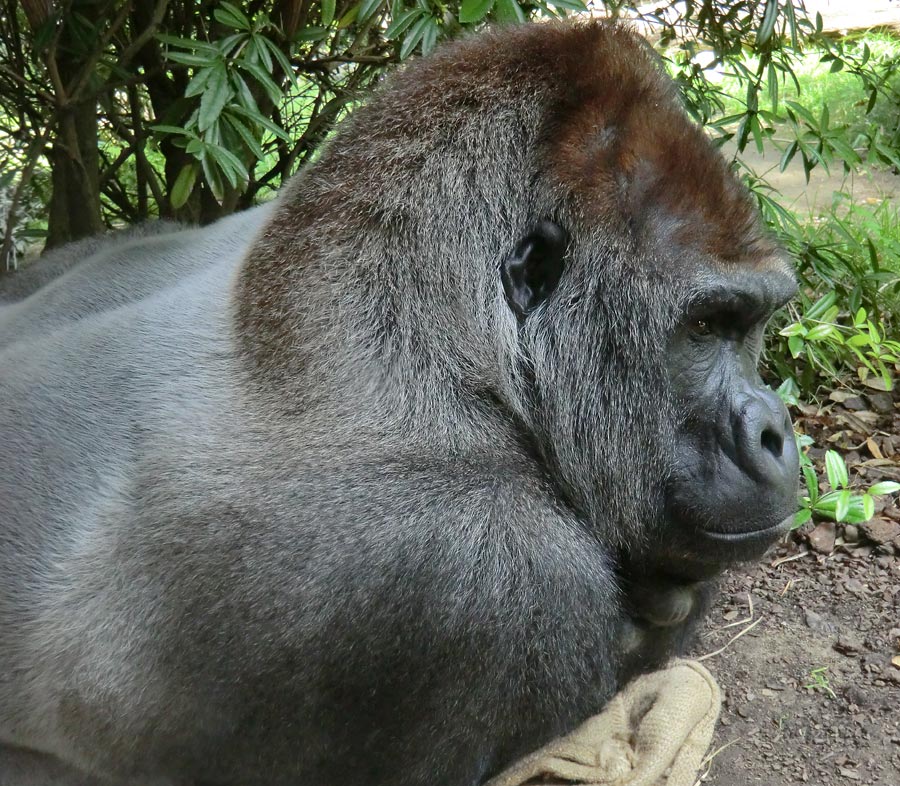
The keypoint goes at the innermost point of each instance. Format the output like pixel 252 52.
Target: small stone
pixel 884 561
pixel 879 530
pixel 854 404
pixel 821 539
pixel 881 402
pixel 851 533
pixel 847 644
pixel 896 542
pixel 855 586
pixel 818 623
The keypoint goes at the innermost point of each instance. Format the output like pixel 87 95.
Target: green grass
pixel 840 91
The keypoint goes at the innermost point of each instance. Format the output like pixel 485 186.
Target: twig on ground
pixel 732 640
pixel 707 762
pixel 782 560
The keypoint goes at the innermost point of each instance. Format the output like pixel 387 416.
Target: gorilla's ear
pixel 532 271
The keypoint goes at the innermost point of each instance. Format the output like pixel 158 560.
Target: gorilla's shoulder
pixel 100 274
pixel 39 272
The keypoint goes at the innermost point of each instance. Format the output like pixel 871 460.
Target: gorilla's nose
pixel 764 440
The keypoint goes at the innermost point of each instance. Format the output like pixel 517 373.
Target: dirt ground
pixel 812 683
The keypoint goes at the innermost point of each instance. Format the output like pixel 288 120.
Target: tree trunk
pixel 75 164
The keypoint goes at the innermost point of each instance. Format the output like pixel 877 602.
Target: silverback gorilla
pixel 393 480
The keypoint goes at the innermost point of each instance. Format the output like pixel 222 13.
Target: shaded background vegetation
pixel 113 112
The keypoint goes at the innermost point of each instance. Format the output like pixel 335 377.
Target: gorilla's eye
pixel 701 328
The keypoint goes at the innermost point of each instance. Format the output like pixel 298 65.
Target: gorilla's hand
pixel 662 610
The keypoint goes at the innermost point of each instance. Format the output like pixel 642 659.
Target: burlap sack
pixel 655 732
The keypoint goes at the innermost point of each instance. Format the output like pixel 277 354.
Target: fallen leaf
pixel 873 448
pixel 876 383
pixel 841 395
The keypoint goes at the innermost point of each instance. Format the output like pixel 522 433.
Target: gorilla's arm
pixel 425 630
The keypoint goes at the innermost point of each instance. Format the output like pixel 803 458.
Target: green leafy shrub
pixel 840 503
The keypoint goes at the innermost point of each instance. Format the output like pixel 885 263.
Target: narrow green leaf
pixel 508 12
pixel 569 5
pixel 836 470
pixel 794 329
pixel 313 33
pixel 367 9
pixel 868 506
pixel 187 43
pixel 164 129
pixel 189 59
pixel 402 23
pixel 856 513
pixel 812 482
pixel 328 8
pixel 471 11
pixel 229 164
pixel 184 185
pixel 213 178
pixel 770 16
pixel 231 16
pixel 413 37
pixel 266 81
pixel 281 57
pixel 429 37
pixel 843 506
pixel 348 18
pixel 198 83
pixel 802 517
pixel 258 53
pixel 818 309
pixel 246 135
pixel 795 345
pixel 884 487
pixel 261 120
pixel 214 98
pixel 820 332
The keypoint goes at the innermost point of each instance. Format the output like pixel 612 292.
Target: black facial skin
pixel 735 487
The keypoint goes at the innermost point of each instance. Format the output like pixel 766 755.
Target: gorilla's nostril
pixel 772 441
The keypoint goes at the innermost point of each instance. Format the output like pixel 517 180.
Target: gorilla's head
pixel 525 234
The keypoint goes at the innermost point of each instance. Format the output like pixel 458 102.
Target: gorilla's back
pixel 124 269
pixel 104 365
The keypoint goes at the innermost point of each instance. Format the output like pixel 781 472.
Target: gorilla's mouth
pixel 750 536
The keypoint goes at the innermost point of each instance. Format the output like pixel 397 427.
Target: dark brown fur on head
pixel 588 102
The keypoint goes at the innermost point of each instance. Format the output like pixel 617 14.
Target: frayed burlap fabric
pixel 654 733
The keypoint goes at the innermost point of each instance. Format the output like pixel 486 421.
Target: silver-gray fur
pixel 296 499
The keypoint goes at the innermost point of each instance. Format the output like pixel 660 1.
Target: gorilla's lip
pixel 765 533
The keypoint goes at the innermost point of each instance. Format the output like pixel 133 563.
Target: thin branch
pixel 36 91
pixel 35 149
pixel 80 83
pixel 159 13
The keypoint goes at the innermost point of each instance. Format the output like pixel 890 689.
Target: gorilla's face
pixel 735 471
pixel 647 399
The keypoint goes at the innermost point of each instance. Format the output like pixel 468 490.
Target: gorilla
pixel 397 477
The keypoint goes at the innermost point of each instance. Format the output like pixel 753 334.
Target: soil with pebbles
pixel 812 689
